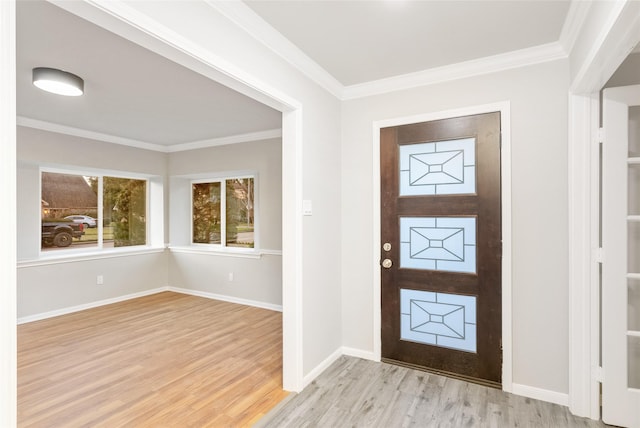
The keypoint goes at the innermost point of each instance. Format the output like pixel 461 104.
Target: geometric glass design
pixel 439 319
pixel 438 243
pixel 438 168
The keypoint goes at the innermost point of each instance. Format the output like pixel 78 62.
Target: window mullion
pixel 223 213
pixel 100 211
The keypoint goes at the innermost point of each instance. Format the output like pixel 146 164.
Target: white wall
pixel 54 286
pixel 538 97
pixel 255 279
pixel 262 157
pixel 36 148
pixel 50 287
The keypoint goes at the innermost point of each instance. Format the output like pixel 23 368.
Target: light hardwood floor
pixel 166 360
pixel 360 393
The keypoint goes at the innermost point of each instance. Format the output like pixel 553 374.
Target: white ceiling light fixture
pixel 58 81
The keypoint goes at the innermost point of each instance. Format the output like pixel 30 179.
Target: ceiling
pixel 361 41
pixel 139 97
pixel 130 92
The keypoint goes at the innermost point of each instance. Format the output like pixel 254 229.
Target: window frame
pixel 222 179
pixel 99 247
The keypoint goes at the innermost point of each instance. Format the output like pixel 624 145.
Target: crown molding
pixel 84 133
pixel 244 17
pixel 506 61
pixel 107 138
pixel 223 141
pixel 576 17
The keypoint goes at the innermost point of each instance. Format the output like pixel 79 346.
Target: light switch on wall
pixel 306 207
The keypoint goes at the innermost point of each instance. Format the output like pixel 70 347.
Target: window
pixel 92 211
pixel 232 196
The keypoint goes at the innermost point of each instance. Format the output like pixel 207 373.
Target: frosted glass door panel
pixel 440 319
pixel 634 131
pixel 438 168
pixel 438 243
pixel 634 362
pixel 633 245
pixel 633 192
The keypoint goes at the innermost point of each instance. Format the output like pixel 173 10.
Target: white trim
pixel 223 141
pixel 541 394
pixel 507 255
pixel 89 171
pixel 127 22
pixel 617 35
pixel 359 353
pixel 59 258
pixel 147 32
pixel 173 148
pixel 83 133
pixel 584 282
pixel 223 251
pixel 225 298
pixel 223 247
pixel 476 67
pixel 292 245
pixel 615 41
pixel 507 335
pixel 576 17
pixel 78 308
pixel 325 364
pixel 268 252
pixel 8 215
pixel 91 305
pixel 244 17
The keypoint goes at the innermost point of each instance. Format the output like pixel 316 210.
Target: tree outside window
pixel 238 223
pixel 73 198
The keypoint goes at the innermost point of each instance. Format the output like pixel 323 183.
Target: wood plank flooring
pixel 166 360
pixel 360 393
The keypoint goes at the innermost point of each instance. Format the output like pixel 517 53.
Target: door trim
pixel 617 33
pixel 505 168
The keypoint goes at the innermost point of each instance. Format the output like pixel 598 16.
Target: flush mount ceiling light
pixel 58 81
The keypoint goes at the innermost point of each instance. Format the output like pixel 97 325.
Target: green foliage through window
pixel 125 208
pixel 238 222
pixel 74 197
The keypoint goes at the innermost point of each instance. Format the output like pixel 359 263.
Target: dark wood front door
pixel 442 246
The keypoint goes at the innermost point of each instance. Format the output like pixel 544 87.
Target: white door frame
pixel 8 215
pixel 619 34
pixel 505 167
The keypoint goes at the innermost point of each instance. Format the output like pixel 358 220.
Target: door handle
pixel 387 263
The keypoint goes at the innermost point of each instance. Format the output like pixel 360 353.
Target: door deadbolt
pixel 387 263
pixel 386 246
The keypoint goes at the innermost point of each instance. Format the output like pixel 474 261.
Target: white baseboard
pixel 321 367
pixel 359 353
pixel 518 389
pixel 225 298
pixel 72 309
pixel 541 394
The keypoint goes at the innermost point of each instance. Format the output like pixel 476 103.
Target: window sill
pixel 88 255
pixel 249 253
